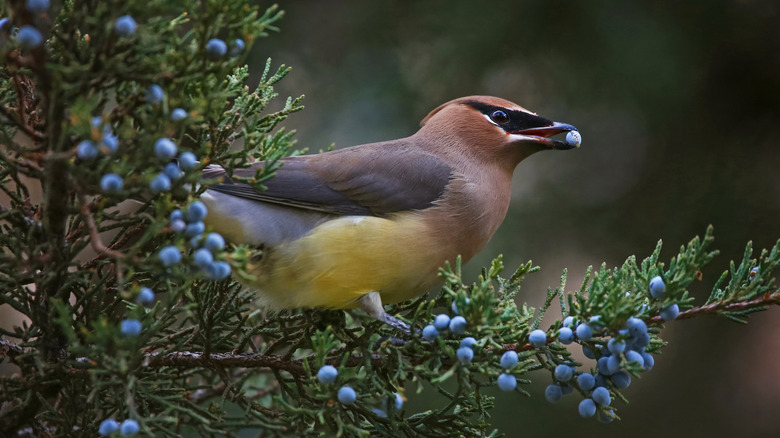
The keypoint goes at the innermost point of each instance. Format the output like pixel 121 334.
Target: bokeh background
pixel 678 104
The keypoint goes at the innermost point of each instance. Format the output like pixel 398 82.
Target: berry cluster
pixel 443 323
pixel 217 48
pixel 617 354
pixel 102 140
pixel 110 426
pixel 190 222
pixel 347 395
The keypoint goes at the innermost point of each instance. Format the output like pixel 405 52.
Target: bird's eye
pixel 499 116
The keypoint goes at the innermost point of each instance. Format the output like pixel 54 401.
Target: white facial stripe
pixel 518 137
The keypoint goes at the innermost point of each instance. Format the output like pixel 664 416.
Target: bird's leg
pixel 371 303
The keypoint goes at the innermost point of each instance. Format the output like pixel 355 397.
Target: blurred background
pixel 678 104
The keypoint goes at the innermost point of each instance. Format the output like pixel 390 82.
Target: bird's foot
pixel 371 303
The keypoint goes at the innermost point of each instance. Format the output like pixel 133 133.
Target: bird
pixel 372 224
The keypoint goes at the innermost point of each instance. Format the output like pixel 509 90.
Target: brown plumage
pixel 373 223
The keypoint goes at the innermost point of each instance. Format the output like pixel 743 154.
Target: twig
pixel 228 360
pixel 94 235
pixel 21 125
pixel 719 307
pixel 10 349
pixel 129 234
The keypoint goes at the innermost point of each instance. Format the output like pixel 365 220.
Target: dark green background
pixel 677 103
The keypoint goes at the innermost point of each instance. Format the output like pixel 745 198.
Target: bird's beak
pixel 542 135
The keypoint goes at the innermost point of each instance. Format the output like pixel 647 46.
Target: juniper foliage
pixel 75 256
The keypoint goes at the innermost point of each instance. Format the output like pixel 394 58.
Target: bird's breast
pixel 343 259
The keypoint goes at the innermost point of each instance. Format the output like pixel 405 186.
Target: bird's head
pixel 494 128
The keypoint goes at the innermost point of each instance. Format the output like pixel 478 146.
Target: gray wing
pixel 373 180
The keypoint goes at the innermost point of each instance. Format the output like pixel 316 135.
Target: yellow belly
pixel 343 259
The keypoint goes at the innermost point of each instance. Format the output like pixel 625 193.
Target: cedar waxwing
pixel 372 224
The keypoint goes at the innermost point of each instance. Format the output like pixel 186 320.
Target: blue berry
pixel 595 322
pixel 108 426
pixel 636 327
pixel 621 380
pixel 218 270
pixel 566 388
pixel 613 363
pixel 178 225
pixel 641 341
pixel 187 160
pixel 215 49
pixel 458 325
pixel 178 114
pixel 165 148
pixel 507 382
pixel 565 336
pixel 3 23
pixel 509 359
pixel 125 26
pixel 214 242
pixel 553 393
pixel 601 396
pixel 568 321
pixel 670 313
pixel 616 346
pixel 195 240
pixel 587 408
pixel 398 401
pixel 130 327
pixel 465 355
pixel 154 94
pixel 86 150
pixel 237 47
pixel 37 5
pixel 160 183
pixel 441 322
pixel 753 273
pixel 586 381
pixel 468 342
pixel 657 287
pixel 176 214
pixel 563 373
pixel 633 356
pixel 172 171
pixel 327 374
pixel 649 361
pixel 111 141
pixel 195 229
pixel 430 333
pixel 29 37
pixel 588 352
pixel 145 296
pixel 379 412
pixel 584 333
pixel 573 138
pixel 602 366
pixel 202 257
pixel 170 256
pixel 196 212
pixel 347 395
pixel 600 380
pixel 128 427
pixel 111 183
pixel 538 338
